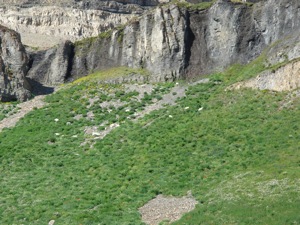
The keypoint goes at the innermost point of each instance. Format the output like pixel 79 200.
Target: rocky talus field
pixel 149 112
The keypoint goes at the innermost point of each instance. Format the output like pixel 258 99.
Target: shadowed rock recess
pixel 169 41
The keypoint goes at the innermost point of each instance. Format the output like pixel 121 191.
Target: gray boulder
pixel 13 67
pixel 51 67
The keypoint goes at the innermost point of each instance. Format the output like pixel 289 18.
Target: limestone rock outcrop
pixel 284 50
pixel 46 26
pixel 52 66
pixel 173 42
pixel 45 23
pixel 155 42
pixel 236 33
pixel 13 67
pixel 286 78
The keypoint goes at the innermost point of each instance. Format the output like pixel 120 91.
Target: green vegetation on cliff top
pixel 239 155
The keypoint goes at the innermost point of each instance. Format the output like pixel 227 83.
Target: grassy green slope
pixel 239 156
pixel 7 109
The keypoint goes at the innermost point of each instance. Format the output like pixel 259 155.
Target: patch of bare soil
pixel 24 108
pixel 168 209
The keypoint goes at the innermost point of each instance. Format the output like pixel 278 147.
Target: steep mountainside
pixel 172 42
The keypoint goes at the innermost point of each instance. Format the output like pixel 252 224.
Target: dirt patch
pixel 24 108
pixel 168 209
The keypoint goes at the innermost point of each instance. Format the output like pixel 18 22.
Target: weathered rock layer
pixel 172 42
pixel 286 78
pixel 13 67
pixel 55 24
pixel 154 42
pixel 51 66
pixel 44 23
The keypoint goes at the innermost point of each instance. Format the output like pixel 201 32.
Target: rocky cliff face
pixel 174 43
pixel 13 67
pixel 229 33
pixel 51 66
pixel 45 26
pixel 80 3
pixel 155 42
pixel 45 23
pixel 286 54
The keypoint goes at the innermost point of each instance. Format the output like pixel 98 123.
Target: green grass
pixel 242 2
pixel 7 109
pixel 89 41
pixel 191 6
pixel 239 156
pixel 112 73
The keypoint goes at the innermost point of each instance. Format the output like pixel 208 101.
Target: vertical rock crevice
pixel 189 39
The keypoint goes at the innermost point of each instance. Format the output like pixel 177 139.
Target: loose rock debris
pixel 168 209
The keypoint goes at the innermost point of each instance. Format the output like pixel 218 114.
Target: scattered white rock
pixel 186 108
pixel 56 120
pixel 114 125
pixel 166 208
pixel 78 117
pixel 90 115
pixel 51 222
pixel 96 134
pixel 200 109
pixel 170 116
pixel 57 134
pixel 74 136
